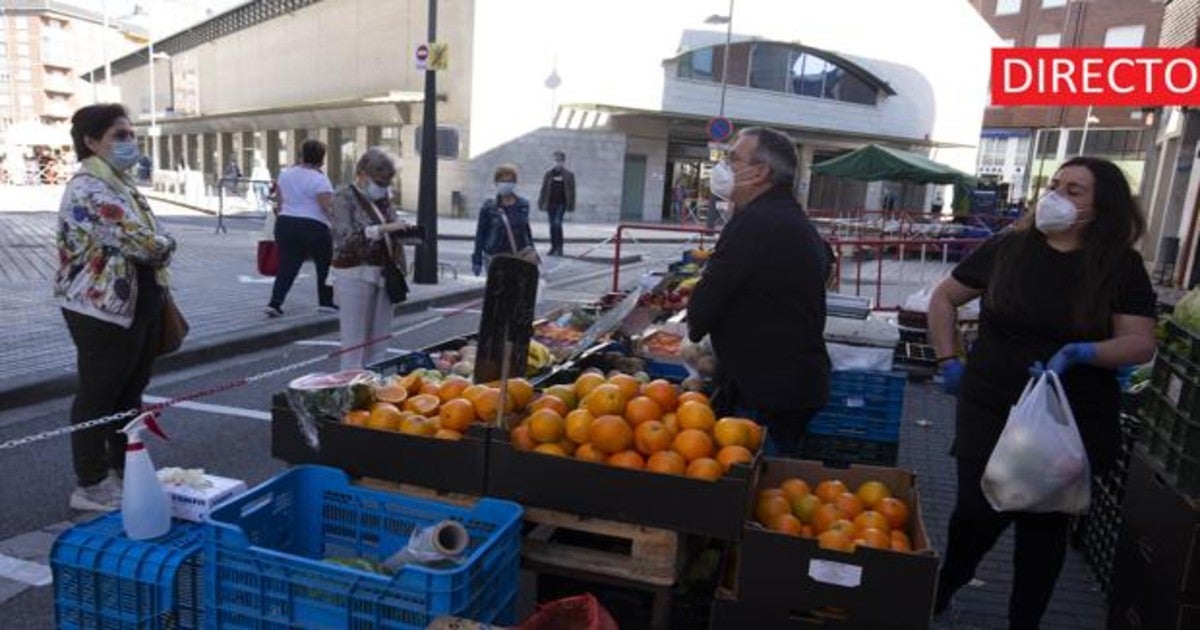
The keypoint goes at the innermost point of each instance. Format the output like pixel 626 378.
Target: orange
pixel 663 393
pixel 804 507
pixel 473 392
pixel 391 392
pixel 900 541
pixel 610 434
pixel 416 424
pixel 521 440
pixel 447 434
pixel 630 387
pixel 384 416
pixel 694 396
pixel 606 399
pixel 824 516
pixel 521 391
pixel 872 492
pixel 835 540
pixel 768 506
pixel 651 437
pixel 487 404
pixel 588 453
pixel 695 415
pixel 578 423
pixel 668 462
pixel 412 382
pixel 756 434
pixel 787 524
pixel 672 422
pixel 843 525
pixel 693 444
pixel 568 446
pixel 806 531
pixel 795 488
pixel 357 417
pixel 731 432
pixel 827 491
pixel 627 459
pixel 424 404
pixel 894 510
pixel 587 382
pixel 641 409
pixel 565 393
pixel 704 468
pixel 874 539
pixel 545 425
pixel 456 414
pixel 849 504
pixel 550 449
pixel 731 455
pixel 549 402
pixel 453 387
pixel 431 388
pixel 871 520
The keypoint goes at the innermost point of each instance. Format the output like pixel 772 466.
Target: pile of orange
pixel 622 422
pixel 837 518
pixel 443 409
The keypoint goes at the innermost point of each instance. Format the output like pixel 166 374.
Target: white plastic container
pixel 145 508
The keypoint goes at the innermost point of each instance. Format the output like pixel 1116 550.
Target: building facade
pixel 1022 146
pixel 627 100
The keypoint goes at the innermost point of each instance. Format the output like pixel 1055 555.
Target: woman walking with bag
pixel 302 227
pixel 503 226
pixel 1065 288
pixel 368 262
pixel 112 286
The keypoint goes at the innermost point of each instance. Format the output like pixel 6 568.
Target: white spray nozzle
pixel 148 421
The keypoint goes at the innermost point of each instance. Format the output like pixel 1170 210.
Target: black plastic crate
pixel 1180 342
pixel 1178 382
pixel 1171 441
pixel 841 452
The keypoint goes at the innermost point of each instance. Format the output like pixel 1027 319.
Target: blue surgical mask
pixel 505 188
pixel 125 154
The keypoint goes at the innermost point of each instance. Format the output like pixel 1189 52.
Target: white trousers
pixel 365 312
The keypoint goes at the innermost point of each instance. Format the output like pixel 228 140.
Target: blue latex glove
pixel 1036 369
pixel 952 373
pixel 477 268
pixel 1071 355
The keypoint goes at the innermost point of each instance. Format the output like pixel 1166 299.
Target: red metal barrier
pixel 894 250
pixel 653 227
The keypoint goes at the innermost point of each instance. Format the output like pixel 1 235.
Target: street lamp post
pixel 153 109
pixel 425 265
pixel 710 217
pixel 1087 122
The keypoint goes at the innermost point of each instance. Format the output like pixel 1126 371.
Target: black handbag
pixel 394 281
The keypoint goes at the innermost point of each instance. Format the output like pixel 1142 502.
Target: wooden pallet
pixel 647 555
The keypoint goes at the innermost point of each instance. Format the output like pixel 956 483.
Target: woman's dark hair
pixel 92 122
pixel 1116 225
pixel 312 152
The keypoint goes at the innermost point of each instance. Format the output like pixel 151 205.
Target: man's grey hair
pixel 376 161
pixel 777 151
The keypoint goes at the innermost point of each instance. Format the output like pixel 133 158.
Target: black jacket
pixel 568 190
pixel 762 298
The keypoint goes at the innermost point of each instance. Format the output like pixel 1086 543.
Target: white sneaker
pixel 115 485
pixel 97 498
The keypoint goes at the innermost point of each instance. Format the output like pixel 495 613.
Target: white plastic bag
pixel 1039 463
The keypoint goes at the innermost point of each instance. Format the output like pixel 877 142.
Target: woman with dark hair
pixel 1063 288
pixel 111 279
pixel 305 199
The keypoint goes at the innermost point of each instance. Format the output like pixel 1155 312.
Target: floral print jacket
pixel 105 228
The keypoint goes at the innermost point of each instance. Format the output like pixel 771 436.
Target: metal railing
pixel 618 237
pixel 222 186
pixel 894 266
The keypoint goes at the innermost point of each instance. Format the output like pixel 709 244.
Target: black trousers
pixel 556 212
pixel 114 366
pixel 1041 546
pixel 299 240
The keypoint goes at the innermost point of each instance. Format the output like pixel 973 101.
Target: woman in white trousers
pixel 363 222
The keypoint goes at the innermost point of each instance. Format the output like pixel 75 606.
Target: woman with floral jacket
pixel 111 280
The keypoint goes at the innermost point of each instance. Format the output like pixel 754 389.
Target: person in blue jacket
pixel 503 226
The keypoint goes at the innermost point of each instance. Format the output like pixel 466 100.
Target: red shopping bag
pixel 268 258
pixel 580 612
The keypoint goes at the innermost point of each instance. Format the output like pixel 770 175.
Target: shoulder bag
pixel 174 326
pixel 393 278
pixel 528 253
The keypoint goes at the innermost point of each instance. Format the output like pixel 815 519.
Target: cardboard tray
pixel 451 466
pixel 869 586
pixel 694 506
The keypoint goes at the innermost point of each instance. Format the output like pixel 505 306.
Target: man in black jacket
pixel 762 296
pixel 557 198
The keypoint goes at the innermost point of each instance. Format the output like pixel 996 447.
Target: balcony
pixel 58 54
pixel 58 109
pixel 56 83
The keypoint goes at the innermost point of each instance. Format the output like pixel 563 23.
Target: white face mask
pixel 375 192
pixel 1055 213
pixel 721 181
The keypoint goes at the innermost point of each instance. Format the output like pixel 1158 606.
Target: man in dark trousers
pixel 762 296
pixel 557 198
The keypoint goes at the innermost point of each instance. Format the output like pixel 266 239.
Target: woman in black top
pixel 1063 288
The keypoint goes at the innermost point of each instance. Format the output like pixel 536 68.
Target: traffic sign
pixel 439 56
pixel 719 128
pixel 422 55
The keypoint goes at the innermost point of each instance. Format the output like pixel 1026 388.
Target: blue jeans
pixel 556 213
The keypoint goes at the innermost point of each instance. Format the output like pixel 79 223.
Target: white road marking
pixel 319 342
pixel 457 310
pixel 244 279
pixel 222 410
pixel 31 573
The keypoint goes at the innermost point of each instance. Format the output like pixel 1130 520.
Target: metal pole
pixel 425 269
pixel 104 45
pixel 710 217
pixel 1086 122
pixel 153 108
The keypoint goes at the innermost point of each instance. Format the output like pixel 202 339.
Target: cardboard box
pixel 869 587
pixel 729 613
pixel 192 505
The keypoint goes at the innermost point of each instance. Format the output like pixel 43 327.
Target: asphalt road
pixel 229 432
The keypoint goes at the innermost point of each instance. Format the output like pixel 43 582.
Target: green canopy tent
pixel 876 163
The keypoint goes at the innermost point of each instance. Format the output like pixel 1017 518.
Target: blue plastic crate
pixel 104 580
pixel 673 372
pixel 266 552
pixel 863 405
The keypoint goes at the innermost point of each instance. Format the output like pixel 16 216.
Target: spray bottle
pixel 145 508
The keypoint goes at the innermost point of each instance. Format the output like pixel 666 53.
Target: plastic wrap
pixel 318 397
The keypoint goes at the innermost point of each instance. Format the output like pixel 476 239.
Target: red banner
pixel 1123 77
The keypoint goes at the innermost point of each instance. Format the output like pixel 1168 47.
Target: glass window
pixel 697 65
pixel 3 49
pixel 1125 36
pixel 24 74
pixel 1048 144
pixel 1008 7
pixel 23 50
pixel 1050 4
pixel 808 75
pixel 1049 40
pixel 769 67
pixel 22 23
pixel 447 142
